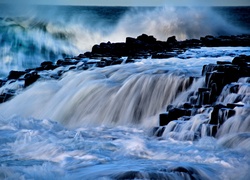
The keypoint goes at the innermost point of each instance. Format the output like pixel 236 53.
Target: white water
pixel 86 126
pixel 31 36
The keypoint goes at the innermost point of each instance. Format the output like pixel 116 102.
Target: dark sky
pixel 136 2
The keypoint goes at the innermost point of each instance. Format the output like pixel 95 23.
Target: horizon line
pixel 95 5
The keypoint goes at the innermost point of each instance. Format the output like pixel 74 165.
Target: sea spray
pixel 31 37
pixel 183 22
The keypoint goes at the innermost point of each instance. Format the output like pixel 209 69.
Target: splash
pixel 183 22
pixel 29 38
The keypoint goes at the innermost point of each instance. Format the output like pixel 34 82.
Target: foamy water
pixel 98 124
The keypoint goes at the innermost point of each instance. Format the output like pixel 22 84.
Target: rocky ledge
pixel 106 54
pixel 221 80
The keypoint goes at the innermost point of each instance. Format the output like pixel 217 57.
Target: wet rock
pixel 158 131
pixel 210 41
pixel 223 62
pixel 164 55
pixel 224 114
pixel 101 64
pixel 164 119
pixel 241 60
pixel 173 114
pixel 117 61
pixel 30 78
pixel 85 55
pixel 171 40
pixel 190 43
pixel 129 61
pixel 187 106
pixel 15 74
pixel 240 40
pixel 215 114
pixel 5 97
pixel 233 105
pixel 204 96
pixel 209 68
pixel 66 62
pixel 147 39
pixel 47 65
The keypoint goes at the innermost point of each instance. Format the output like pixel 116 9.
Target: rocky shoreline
pixel 218 76
pixel 223 76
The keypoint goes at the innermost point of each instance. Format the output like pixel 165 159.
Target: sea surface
pixel 97 123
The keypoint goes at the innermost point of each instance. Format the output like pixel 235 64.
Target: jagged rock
pixel 171 40
pixel 147 39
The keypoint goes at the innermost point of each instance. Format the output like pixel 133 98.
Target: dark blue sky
pixel 136 2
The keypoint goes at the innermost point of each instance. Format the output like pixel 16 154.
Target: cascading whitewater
pixel 233 133
pixel 112 95
pixel 96 104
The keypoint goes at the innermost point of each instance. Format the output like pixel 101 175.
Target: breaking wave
pixel 33 37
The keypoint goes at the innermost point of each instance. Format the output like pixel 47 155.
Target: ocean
pixel 97 123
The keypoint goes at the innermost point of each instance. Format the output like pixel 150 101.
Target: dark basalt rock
pixel 222 75
pixel 241 60
pixel 240 40
pixel 171 40
pixel 66 62
pixel 5 97
pixel 215 114
pixel 158 131
pixel 144 44
pixel 204 96
pixel 47 65
pixel 233 105
pixel 173 114
pixel 30 78
pixel 164 55
pixel 15 74
pixel 147 39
